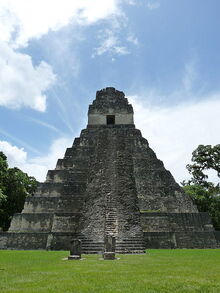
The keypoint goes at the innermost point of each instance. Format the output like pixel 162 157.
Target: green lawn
pixel 157 271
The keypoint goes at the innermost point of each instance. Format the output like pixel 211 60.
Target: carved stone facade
pixel 110 182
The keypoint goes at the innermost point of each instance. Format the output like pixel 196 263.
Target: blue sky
pixel 54 56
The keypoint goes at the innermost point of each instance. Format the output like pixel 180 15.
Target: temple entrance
pixel 110 119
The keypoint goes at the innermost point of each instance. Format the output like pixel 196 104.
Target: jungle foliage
pixel 15 186
pixel 205 194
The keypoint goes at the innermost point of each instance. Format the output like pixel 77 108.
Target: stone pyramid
pixel 109 182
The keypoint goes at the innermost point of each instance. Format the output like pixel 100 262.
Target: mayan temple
pixel 109 182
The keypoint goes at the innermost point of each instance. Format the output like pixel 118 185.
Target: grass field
pixel 157 271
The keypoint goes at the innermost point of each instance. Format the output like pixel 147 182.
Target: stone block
pixel 75 247
pixel 109 255
pixel 109 243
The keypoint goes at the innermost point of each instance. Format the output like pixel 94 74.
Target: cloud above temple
pixel 24 20
pixel 23 84
pixel 39 165
pixel 174 132
pixel 111 44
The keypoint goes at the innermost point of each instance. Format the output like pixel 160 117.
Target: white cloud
pixel 190 76
pixel 15 155
pixel 23 20
pixel 110 44
pixel 45 124
pixel 132 39
pixel 38 166
pixel 19 141
pixel 153 4
pixel 131 2
pixel 21 83
pixel 174 132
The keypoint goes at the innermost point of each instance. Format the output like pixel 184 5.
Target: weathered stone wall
pixel 60 189
pixel 35 222
pixel 100 119
pixel 178 230
pixel 66 222
pixel 111 182
pixel 3 240
pixel 217 237
pixel 44 204
pixel 183 239
pixel 110 102
pixel 41 204
pixel 156 187
pixel 179 222
pixel 26 240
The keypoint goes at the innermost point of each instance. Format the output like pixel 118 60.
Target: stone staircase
pixel 131 245
pixel 127 245
pixel 111 219
pixel 90 246
pixel 111 223
pixel 113 208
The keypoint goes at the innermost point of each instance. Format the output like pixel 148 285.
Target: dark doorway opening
pixel 110 119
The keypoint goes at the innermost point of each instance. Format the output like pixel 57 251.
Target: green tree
pixel 205 194
pixel 205 157
pixel 207 200
pixel 15 186
pixel 3 172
